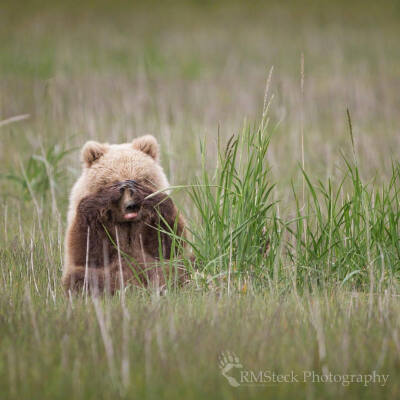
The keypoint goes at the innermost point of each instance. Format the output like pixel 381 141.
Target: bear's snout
pixel 132 206
pixel 130 203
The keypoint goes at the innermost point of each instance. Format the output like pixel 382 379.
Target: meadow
pixel 279 131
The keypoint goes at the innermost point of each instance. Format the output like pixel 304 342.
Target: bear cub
pixel 118 231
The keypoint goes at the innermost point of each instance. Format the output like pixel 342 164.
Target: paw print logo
pixel 227 361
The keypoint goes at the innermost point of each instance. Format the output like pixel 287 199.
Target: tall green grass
pixel 342 232
pixel 234 205
pixel 348 232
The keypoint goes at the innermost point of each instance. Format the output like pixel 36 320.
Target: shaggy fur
pixel 95 225
pixel 96 233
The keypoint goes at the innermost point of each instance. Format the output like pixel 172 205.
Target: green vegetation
pixel 294 219
pixel 344 233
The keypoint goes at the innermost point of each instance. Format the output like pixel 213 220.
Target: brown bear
pixel 122 227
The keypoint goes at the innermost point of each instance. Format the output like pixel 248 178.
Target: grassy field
pixel 279 121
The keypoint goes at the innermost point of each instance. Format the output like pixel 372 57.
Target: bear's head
pixel 105 164
pixel 108 163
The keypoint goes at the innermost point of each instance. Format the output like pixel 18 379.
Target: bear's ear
pixel 148 144
pixel 92 151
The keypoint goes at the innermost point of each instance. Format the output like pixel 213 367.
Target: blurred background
pixel 186 70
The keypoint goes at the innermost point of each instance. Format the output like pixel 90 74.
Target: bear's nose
pixel 131 206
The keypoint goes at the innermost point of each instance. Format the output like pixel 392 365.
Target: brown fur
pixel 103 207
pixel 142 243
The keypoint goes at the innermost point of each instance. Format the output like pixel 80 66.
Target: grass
pixel 342 233
pixel 294 219
pixel 168 347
